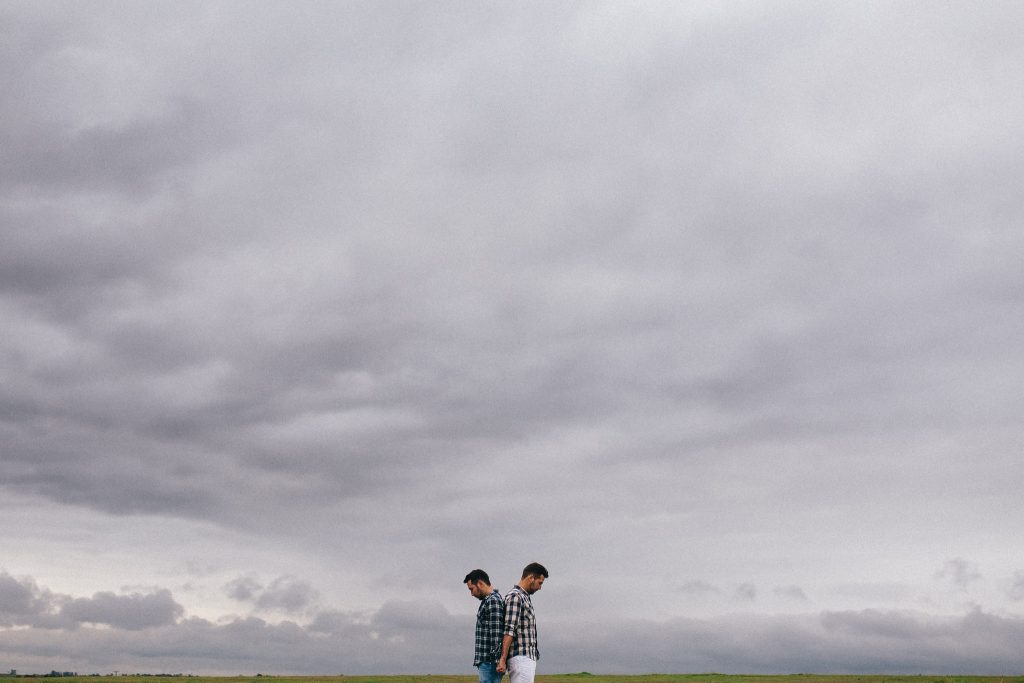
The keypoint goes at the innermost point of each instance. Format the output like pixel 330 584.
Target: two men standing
pixel 514 646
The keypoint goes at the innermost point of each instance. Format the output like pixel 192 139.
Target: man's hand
pixel 506 647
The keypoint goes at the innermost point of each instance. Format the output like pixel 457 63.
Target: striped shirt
pixel 489 621
pixel 521 624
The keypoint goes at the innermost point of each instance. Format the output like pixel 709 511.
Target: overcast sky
pixel 715 309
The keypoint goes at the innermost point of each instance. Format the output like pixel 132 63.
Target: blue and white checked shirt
pixel 489 622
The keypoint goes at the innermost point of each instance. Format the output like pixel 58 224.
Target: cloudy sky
pixel 715 309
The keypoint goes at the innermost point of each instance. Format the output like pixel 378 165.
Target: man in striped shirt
pixel 519 651
pixel 489 624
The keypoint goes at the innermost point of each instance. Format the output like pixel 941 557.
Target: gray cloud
pixel 285 593
pixel 876 642
pixel 959 572
pixel 156 319
pixel 244 588
pixel 699 588
pixel 24 603
pixel 732 291
pixel 745 592
pixel 131 612
pixel 421 636
pixel 790 593
pixel 1016 590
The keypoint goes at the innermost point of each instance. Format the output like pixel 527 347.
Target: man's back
pixel 521 624
pixel 489 629
pixel 519 651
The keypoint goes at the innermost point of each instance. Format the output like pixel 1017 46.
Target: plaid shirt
pixel 489 620
pixel 521 624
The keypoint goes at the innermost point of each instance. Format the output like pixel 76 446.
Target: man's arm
pixel 506 644
pixel 512 608
pixel 493 624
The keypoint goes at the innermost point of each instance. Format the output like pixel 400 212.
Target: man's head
pixel 479 584
pixel 533 577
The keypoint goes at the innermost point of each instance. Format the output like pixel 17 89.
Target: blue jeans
pixel 488 673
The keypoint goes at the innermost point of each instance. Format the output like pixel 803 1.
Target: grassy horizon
pixel 553 678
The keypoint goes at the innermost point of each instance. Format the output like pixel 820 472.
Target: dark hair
pixel 476 576
pixel 535 569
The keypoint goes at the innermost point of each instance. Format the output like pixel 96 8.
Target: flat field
pixel 552 678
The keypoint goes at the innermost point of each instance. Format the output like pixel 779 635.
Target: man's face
pixel 533 583
pixel 478 589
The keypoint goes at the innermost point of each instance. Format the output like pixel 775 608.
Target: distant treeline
pixel 72 674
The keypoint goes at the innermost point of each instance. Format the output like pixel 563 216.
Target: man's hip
pixel 489 673
pixel 521 669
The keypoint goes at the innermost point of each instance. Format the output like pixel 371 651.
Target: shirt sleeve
pixel 513 608
pixel 493 620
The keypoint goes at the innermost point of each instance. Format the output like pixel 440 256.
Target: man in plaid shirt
pixel 519 651
pixel 489 623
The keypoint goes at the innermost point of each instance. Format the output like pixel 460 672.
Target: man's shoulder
pixel 495 596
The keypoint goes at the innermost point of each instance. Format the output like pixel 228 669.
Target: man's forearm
pixel 506 645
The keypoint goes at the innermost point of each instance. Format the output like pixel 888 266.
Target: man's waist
pixel 529 650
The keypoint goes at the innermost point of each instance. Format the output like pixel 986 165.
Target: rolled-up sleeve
pixel 513 608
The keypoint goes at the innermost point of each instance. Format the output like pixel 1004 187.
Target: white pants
pixel 521 669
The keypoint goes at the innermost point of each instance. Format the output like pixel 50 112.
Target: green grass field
pixel 554 678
